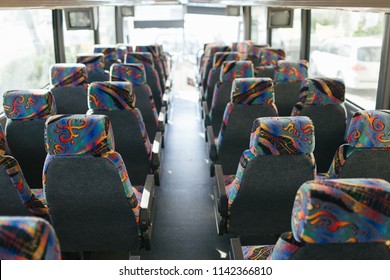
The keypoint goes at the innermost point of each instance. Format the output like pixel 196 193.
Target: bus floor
pixel 184 225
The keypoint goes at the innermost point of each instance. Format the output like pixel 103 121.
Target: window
pixel 26 49
pixel 355 42
pixel 259 24
pixel 107 25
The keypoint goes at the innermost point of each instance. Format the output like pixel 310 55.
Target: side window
pixel 344 50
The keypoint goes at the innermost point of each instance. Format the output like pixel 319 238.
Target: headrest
pixel 129 72
pixel 145 58
pixel 342 210
pixel 2 141
pixel 122 50
pixel 78 135
pixel 94 62
pixel 111 96
pixel 236 69
pixel 110 52
pixel 270 56
pixel 150 49
pixel 68 75
pixel 252 91
pixel 213 50
pixel 287 71
pixel 369 129
pixel 254 50
pixel 282 136
pixel 220 57
pixel 28 238
pixel 322 91
pixel 29 104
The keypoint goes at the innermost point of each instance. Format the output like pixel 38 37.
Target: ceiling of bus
pixel 372 5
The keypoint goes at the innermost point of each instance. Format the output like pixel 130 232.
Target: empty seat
pixel 215 73
pixel 210 61
pixel 135 73
pixel 251 98
pixel 367 153
pixel 254 52
pixel 242 48
pixel 268 61
pixel 16 197
pixel 69 84
pixel 95 66
pixel 117 101
pixel 151 74
pixel 110 54
pixel 349 221
pixel 92 202
pixel 322 100
pixel 122 50
pixel 256 202
pixel 27 238
pixel 288 80
pixel 26 112
pixel 230 70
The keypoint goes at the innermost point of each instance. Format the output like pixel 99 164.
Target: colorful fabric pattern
pixel 149 49
pixel 110 53
pixel 69 75
pixel 322 91
pixel 270 56
pixel 27 198
pixel 282 136
pixel 123 50
pixel 78 134
pixel 285 247
pixel 29 104
pixel 93 62
pixel 214 49
pixel 370 129
pixel 287 71
pixel 236 69
pixel 27 238
pixel 343 210
pixel 257 252
pixel 3 142
pixel 134 73
pixel 220 57
pixel 111 96
pixel 247 91
pixel 144 58
pixel 254 51
pixel 342 153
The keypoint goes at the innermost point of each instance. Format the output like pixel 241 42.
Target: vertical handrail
pixel 58 36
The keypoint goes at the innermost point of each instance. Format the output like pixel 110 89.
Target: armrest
pixel 221 192
pixel 161 119
pixel 212 147
pixel 206 114
pixel 156 151
pixel 202 97
pixel 165 100
pixel 235 249
pixel 147 211
pixel 168 84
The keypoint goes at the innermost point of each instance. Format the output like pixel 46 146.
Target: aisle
pixel 185 224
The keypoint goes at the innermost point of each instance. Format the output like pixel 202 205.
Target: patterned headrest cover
pixel 110 52
pixel 145 58
pixel 291 71
pixel 220 57
pixel 2 141
pixel 252 91
pixel 254 51
pixel 111 96
pixel 150 49
pixel 270 56
pixel 29 104
pixel 129 72
pixel 322 91
pixel 213 50
pixel 78 135
pixel 28 238
pixel 94 62
pixel 236 69
pixel 369 129
pixel 282 136
pixel 342 210
pixel 68 74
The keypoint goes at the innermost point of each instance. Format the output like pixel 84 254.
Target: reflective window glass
pixel 107 25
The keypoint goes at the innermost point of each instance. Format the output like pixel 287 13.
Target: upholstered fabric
pixel 236 69
pixel 343 210
pixel 270 56
pixel 220 57
pixel 214 49
pixel 78 134
pixel 252 91
pixel 94 62
pixel 27 238
pixel 68 74
pixel 3 142
pixel 111 96
pixel 257 252
pixel 287 71
pixel 369 129
pixel 123 50
pixel 110 53
pixel 29 104
pixel 322 91
pixel 134 73
pixel 149 49
pixel 285 247
pixel 282 136
pixel 145 58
